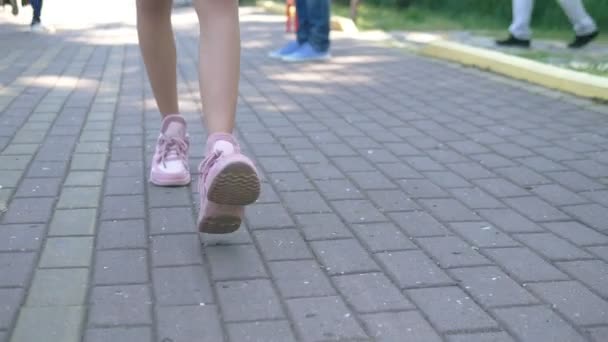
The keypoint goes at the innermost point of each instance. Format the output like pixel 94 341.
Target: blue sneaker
pixel 306 53
pixel 289 48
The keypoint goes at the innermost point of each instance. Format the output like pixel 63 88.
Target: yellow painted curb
pixel 569 81
pixel 337 23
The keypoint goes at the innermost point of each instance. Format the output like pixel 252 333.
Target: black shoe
pixel 513 41
pixel 580 41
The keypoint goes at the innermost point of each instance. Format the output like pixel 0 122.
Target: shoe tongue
pixel 174 126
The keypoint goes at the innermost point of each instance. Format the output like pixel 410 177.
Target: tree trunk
pixel 354 4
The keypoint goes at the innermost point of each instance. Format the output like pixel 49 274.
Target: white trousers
pixel 574 9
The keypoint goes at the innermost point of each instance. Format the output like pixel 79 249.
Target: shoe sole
pixel 237 184
pixel 220 224
pixel 171 182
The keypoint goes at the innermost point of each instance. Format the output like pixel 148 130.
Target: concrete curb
pixel 569 81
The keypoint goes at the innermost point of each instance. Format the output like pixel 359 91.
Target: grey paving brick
pixel 424 163
pixel 10 179
pixel 598 334
pixel 490 286
pixel 412 269
pixel 476 198
pixel 558 195
pixel 20 237
pixel 20 149
pixel 290 181
pixel 277 164
pixel 398 171
pixel 85 197
pixel 324 318
pixel 92 161
pixel 269 331
pixel 392 200
pixel 122 234
pixel 592 215
pixel 171 220
pixel 467 147
pixel 509 221
pixel 184 285
pixel 58 287
pixel 522 176
pixel 343 256
pixel 18 265
pixel 322 226
pixel 67 252
pixel 574 301
pixel 399 326
pixel 371 292
pixel 536 209
pixel 248 300
pixel 600 251
pixel 418 224
pixel 163 197
pixel 447 179
pixel 524 265
pixel 125 169
pixel 119 334
pixel 39 187
pixel 235 262
pixel 537 323
pixel 358 211
pixel 120 267
pixel 382 237
pixel 120 305
pixel 371 180
pixel 421 188
pixel 84 178
pixel 338 189
pixel 471 170
pixel 29 210
pixel 175 250
pixel 301 278
pixel 321 171
pixel 482 337
pixel 305 202
pixel 123 207
pixel 46 169
pixel 593 273
pixel 53 324
pixel 575 181
pixel 183 324
pixel 124 186
pixel 282 244
pixel 11 301
pixel 450 309
pixel 450 251
pixel 552 247
pixel 492 160
pixel 599 196
pixel 577 233
pixel 483 234
pixel 3 336
pixel 73 222
pixel 449 209
pixel 350 164
pixel 271 215
pixel 500 187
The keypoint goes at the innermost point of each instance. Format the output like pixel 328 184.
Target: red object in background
pixel 292 20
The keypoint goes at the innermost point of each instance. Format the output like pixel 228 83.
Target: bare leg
pixel 219 66
pixel 158 50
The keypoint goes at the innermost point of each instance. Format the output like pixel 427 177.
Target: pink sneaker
pixel 170 161
pixel 227 183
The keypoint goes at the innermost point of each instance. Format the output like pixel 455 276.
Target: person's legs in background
pixel 302 32
pixel 170 162
pixel 520 32
pixel 584 26
pixel 37 11
pixel 316 45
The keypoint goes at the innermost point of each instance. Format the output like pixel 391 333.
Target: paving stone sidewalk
pixel 404 199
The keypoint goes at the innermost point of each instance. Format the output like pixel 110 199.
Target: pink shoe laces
pixel 206 165
pixel 172 148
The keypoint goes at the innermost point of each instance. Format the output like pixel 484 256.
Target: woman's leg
pixel 158 50
pixel 170 161
pixel 219 66
pixel 228 179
